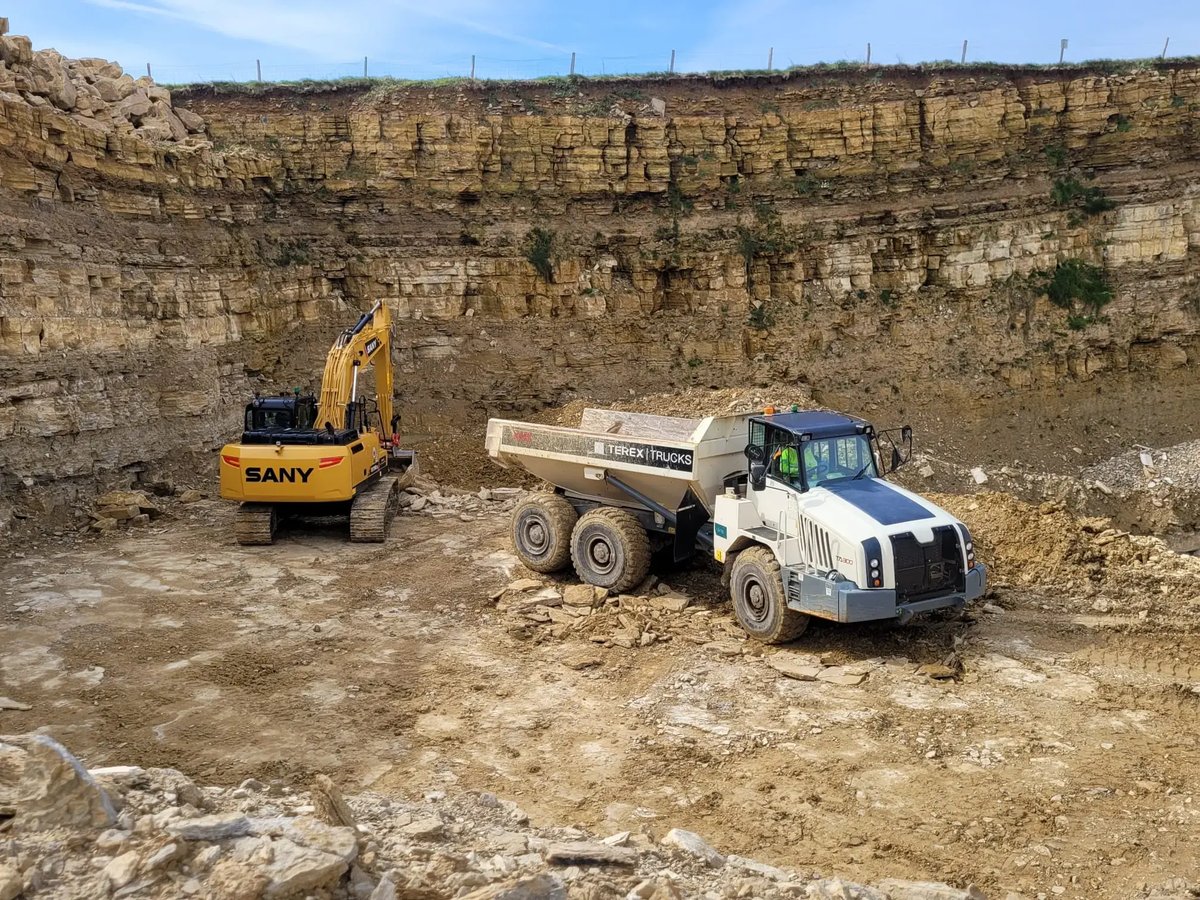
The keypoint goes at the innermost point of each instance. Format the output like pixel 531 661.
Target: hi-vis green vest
pixel 789 463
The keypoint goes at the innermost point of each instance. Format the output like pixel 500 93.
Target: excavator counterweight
pixel 333 454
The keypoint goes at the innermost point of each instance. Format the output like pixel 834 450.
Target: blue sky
pixel 193 40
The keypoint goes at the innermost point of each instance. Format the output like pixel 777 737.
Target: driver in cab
pixel 787 465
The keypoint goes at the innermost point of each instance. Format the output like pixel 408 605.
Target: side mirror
pixel 896 460
pixel 758 476
pixel 755 453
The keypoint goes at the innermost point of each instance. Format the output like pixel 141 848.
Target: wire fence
pixel 1062 51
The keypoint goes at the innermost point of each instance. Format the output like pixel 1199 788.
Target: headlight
pixel 875 562
pixel 874 573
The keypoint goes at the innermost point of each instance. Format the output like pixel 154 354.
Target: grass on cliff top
pixel 716 78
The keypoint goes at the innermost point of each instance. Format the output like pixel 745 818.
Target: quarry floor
pixel 1063 761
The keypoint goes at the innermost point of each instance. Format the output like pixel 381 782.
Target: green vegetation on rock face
pixel 539 250
pixel 1070 192
pixel 1078 287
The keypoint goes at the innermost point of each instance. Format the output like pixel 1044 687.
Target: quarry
pixel 1005 258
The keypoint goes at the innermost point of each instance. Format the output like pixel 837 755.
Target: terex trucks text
pixel 791 502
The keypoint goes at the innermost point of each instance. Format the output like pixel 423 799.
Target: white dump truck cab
pixel 813 530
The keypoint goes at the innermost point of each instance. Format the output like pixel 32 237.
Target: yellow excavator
pixel 339 455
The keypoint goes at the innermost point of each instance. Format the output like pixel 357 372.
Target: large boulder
pixel 162 112
pixel 16 50
pixel 43 786
pixel 190 120
pixel 52 79
pixel 94 67
pixel 135 105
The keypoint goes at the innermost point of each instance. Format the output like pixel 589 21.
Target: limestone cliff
pixel 877 227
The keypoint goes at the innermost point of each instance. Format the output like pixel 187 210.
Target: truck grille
pixel 928 570
pixel 814 542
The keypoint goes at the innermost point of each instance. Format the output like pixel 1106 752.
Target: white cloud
pixel 334 32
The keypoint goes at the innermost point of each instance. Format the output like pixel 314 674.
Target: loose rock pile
pixel 123 831
pixel 95 92
pixel 428 498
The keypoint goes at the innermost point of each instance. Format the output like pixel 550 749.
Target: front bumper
pixel 845 601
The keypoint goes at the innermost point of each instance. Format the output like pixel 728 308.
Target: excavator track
pixel 373 509
pixel 255 524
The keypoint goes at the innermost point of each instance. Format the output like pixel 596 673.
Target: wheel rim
pixel 754 598
pixel 535 536
pixel 600 555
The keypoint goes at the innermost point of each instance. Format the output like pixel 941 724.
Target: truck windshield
pixel 829 460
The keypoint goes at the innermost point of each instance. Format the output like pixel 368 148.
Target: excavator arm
pixel 368 342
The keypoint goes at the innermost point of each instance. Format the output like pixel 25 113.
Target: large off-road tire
pixel 541 532
pixel 758 599
pixel 610 549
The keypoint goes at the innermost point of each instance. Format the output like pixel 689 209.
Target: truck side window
pixel 758 434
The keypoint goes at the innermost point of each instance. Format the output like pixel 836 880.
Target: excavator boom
pixel 368 341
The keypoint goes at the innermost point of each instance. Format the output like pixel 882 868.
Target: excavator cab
pixel 273 419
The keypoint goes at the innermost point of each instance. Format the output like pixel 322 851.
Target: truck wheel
pixel 541 532
pixel 758 599
pixel 611 549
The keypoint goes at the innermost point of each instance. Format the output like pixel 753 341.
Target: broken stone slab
pixel 11 884
pixel 758 868
pixel 584 595
pixel 520 602
pixel 979 475
pixel 428 828
pixel 122 869
pixel 724 648
pixel 582 659
pixel 897 889
pixel 590 852
pixel 9 703
pixel 692 844
pixel 218 827
pixel 837 889
pixel 46 787
pixel 673 602
pixel 191 121
pixel 539 887
pixel 839 675
pixel 296 869
pixel 937 671
pixel 791 667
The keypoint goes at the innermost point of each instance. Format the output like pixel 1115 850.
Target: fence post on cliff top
pixel 1062 49
pixel 868 53
pixel 770 58
pixel 472 66
pixel 148 72
pixel 258 64
pixel 964 53
pixel 572 62
pixel 1164 53
pixel 672 69
pixel 364 67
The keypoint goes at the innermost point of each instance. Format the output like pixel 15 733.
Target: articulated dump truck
pixel 792 503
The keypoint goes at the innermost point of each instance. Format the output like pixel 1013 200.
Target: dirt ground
pixel 1064 755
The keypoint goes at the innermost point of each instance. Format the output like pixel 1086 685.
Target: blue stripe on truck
pixel 878 500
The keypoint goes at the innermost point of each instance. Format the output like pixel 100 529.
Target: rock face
pixel 893 221
pixel 256 845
